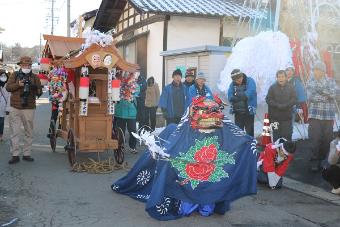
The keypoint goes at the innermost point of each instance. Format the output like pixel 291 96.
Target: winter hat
pixel 320 65
pixel 235 74
pixel 189 72
pixel 177 72
pixel 289 66
pixel 201 75
pixel 25 60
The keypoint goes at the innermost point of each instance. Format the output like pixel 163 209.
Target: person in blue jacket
pixel 189 79
pixel 242 96
pixel 299 89
pixel 198 89
pixel 172 100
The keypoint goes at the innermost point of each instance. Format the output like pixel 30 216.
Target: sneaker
pixel 27 158
pixel 336 191
pixel 15 159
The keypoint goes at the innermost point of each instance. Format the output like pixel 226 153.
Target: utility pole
pixel 40 54
pixel 277 15
pixel 51 18
pixel 68 18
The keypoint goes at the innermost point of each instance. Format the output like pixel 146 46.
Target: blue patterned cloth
pixel 321 95
pixel 163 186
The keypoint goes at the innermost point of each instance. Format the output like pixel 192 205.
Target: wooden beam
pixel 165 46
pixel 110 11
pixel 221 32
pixel 153 19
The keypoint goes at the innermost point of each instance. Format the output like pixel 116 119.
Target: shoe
pixel 27 158
pixel 336 191
pixel 134 151
pixel 15 159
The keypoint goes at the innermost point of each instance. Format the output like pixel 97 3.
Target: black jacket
pixel 280 100
pixel 239 98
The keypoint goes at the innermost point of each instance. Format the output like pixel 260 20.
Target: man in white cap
pixel 198 89
pixel 321 113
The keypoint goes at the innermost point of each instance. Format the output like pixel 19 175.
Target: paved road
pixel 46 193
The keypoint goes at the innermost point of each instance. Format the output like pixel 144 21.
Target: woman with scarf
pixel 198 89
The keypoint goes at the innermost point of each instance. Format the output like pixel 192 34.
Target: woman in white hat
pixel 199 88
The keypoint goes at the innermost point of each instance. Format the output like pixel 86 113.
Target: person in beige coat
pixel 25 87
pixel 151 102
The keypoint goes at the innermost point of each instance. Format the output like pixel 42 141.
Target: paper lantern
pixel 43 79
pixel 115 90
pixel 45 64
pixel 84 88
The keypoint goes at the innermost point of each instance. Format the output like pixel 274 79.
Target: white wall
pixel 216 65
pixel 155 46
pixel 230 29
pixel 185 32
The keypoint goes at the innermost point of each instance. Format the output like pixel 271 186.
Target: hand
pixel 299 111
pixel 21 83
pixel 338 148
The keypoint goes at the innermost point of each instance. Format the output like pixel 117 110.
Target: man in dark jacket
pixel 24 87
pixel 172 100
pixel 243 98
pixel 281 99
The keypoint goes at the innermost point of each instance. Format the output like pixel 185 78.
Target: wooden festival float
pixel 86 119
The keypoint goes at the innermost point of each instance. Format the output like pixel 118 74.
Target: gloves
pixel 7 112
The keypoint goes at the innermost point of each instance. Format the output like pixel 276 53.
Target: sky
pixel 25 20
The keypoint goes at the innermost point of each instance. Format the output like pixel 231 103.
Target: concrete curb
pixel 311 190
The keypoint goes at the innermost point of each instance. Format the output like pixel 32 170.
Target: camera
pixel 27 88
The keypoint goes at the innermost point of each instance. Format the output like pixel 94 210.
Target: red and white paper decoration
pixel 43 79
pixel 113 91
pixel 45 64
pixel 84 85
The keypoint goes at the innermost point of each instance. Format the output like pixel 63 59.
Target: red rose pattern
pixel 199 171
pixel 206 154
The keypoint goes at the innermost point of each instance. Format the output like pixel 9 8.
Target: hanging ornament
pixel 84 88
pixel 45 64
pixel 57 86
pixel 115 90
pixel 84 85
pixel 43 79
